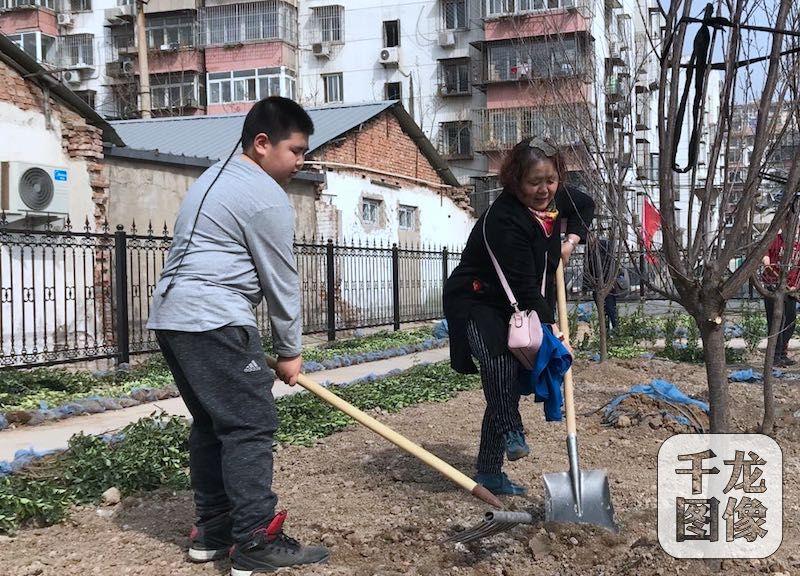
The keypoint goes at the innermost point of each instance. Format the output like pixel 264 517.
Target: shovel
pixel 397 439
pixel 578 496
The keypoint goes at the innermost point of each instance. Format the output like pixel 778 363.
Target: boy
pixel 232 246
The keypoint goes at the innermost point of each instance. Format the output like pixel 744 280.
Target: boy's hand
pixel 288 369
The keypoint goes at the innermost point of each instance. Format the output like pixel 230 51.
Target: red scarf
pixel 546 218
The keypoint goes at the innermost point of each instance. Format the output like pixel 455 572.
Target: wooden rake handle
pixel 397 439
pixel 563 324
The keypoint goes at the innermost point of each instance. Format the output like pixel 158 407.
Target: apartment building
pixel 420 53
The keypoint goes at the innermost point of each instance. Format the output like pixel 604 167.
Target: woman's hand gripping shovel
pixel 397 439
pixel 578 496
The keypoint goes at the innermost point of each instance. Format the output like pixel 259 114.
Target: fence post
pixel 121 294
pixel 445 267
pixel 331 281
pixel 396 286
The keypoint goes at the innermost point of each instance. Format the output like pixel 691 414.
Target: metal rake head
pixel 494 522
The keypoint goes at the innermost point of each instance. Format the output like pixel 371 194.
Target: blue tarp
pixel 660 390
pixel 750 375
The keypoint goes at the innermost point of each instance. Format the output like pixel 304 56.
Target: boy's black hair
pixel 276 117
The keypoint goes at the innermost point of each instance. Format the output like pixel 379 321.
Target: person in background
pixel 770 276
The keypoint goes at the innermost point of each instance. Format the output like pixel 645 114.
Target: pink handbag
pixel 524 329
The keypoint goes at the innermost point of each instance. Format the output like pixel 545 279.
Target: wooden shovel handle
pixel 563 324
pixel 397 439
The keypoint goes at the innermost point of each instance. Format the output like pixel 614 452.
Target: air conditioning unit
pixel 29 189
pixel 389 57
pixel 128 67
pixel 321 49
pixel 447 39
pixel 64 19
pixel 72 77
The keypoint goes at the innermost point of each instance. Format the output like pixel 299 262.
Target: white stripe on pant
pixel 499 376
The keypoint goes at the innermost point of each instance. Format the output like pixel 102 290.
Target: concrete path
pixel 54 435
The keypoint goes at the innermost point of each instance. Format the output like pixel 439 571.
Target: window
pixel 77 49
pixel 166 92
pixel 22 3
pixel 36 45
pixel 249 85
pixel 500 7
pixel 369 210
pixel 455 77
pixel 169 32
pixel 391 33
pixel 80 5
pixel 456 139
pixel 454 14
pixel 407 217
pixel 328 23
pixel 333 87
pixel 393 91
pixel 535 60
pixel 87 96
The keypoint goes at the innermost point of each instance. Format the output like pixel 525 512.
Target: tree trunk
pixel 600 304
pixel 716 372
pixel 768 422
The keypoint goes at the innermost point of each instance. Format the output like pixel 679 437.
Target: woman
pixel 523 230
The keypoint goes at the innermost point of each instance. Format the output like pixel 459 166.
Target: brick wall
pixel 381 144
pixel 79 140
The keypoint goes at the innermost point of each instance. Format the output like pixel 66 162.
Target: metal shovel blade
pixel 591 504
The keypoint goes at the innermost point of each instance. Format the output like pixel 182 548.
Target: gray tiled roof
pixel 213 136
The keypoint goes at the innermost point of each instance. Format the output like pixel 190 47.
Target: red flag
pixel 651 222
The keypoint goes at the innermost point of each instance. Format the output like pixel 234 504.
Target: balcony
pixel 8 5
pixel 537 60
pixel 500 129
pixel 234 24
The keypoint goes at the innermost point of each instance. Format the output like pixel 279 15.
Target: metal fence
pixel 67 296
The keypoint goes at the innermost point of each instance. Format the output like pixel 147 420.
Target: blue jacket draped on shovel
pixel 547 376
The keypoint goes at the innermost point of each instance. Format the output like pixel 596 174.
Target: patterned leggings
pixel 499 376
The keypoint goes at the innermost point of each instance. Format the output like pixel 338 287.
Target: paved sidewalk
pixel 54 435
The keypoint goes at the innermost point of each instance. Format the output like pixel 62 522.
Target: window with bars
pixel 455 14
pixel 454 77
pixel 456 139
pixel 249 85
pixel 248 22
pixel 170 32
pixel 328 24
pixel 407 217
pixel 333 86
pixel 543 59
pixel 503 7
pixel 77 49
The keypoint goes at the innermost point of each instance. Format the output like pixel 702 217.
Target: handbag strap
pixel 509 294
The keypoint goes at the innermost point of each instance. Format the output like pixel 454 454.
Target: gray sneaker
pixel 270 549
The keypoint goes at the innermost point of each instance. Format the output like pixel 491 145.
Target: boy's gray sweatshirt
pixel 241 252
